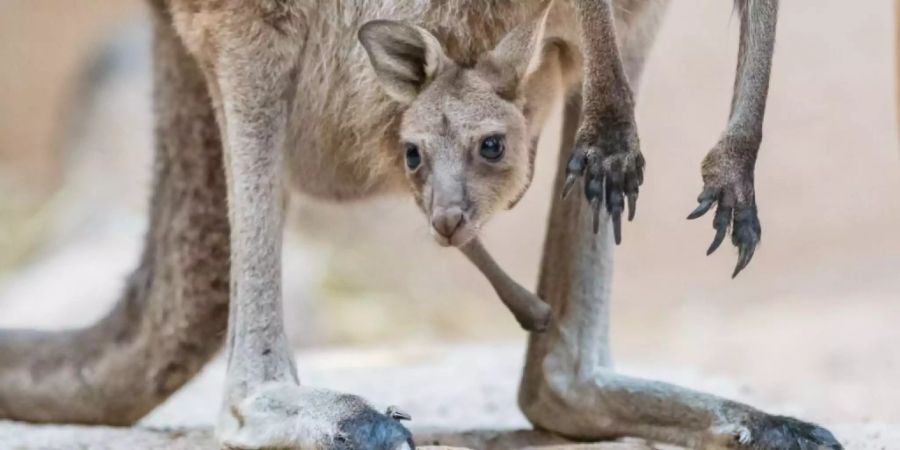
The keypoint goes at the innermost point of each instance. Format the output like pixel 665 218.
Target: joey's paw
pixel 728 184
pixel 612 165
pixel 784 433
pixel 284 415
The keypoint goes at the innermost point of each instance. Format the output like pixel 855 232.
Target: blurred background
pixel 813 323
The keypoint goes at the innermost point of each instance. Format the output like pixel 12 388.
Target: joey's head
pixel 468 132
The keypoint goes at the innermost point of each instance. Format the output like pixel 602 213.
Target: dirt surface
pixel 456 388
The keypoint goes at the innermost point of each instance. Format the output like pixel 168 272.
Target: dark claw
pixel 617 226
pixel 609 177
pixel 746 235
pixel 744 257
pixel 632 205
pixel 595 206
pixel 721 222
pixel 615 200
pixel 706 198
pixel 720 236
pixel 593 190
pixel 575 166
pixel 781 432
pixel 397 414
pixel 707 193
pixel 632 188
pixel 567 186
pixel 593 185
pixel 370 429
pixel 702 209
pixel 574 169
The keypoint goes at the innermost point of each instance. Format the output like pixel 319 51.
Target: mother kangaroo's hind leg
pixel 251 54
pixel 171 318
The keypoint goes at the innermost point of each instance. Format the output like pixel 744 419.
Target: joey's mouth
pixel 458 238
pixel 453 228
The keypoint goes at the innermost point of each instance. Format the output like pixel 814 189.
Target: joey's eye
pixel 492 148
pixel 413 158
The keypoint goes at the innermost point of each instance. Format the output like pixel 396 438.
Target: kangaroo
pixel 443 99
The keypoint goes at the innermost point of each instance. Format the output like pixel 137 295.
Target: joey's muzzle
pixel 451 224
pixel 446 221
pixel 451 227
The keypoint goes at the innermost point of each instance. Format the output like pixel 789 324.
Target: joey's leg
pixel 606 150
pixel 530 311
pixel 728 168
pixel 252 79
pixel 568 384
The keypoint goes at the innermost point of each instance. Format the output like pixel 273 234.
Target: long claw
pixel 617 226
pixel 595 206
pixel 704 206
pixel 567 186
pixel 721 221
pixel 574 168
pixel 632 205
pixel 720 236
pixel 744 257
pixel 397 414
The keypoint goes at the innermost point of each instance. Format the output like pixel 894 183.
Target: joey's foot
pixel 768 432
pixel 728 183
pixel 287 416
pixel 612 165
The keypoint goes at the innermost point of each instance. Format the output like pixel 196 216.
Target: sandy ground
pixel 811 328
pixel 455 388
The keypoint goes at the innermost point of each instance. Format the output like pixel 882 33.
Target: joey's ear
pixel 514 56
pixel 528 56
pixel 405 57
pixel 552 73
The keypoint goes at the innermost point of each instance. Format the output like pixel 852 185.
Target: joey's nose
pixel 447 221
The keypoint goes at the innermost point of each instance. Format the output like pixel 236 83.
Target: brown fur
pixel 293 100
